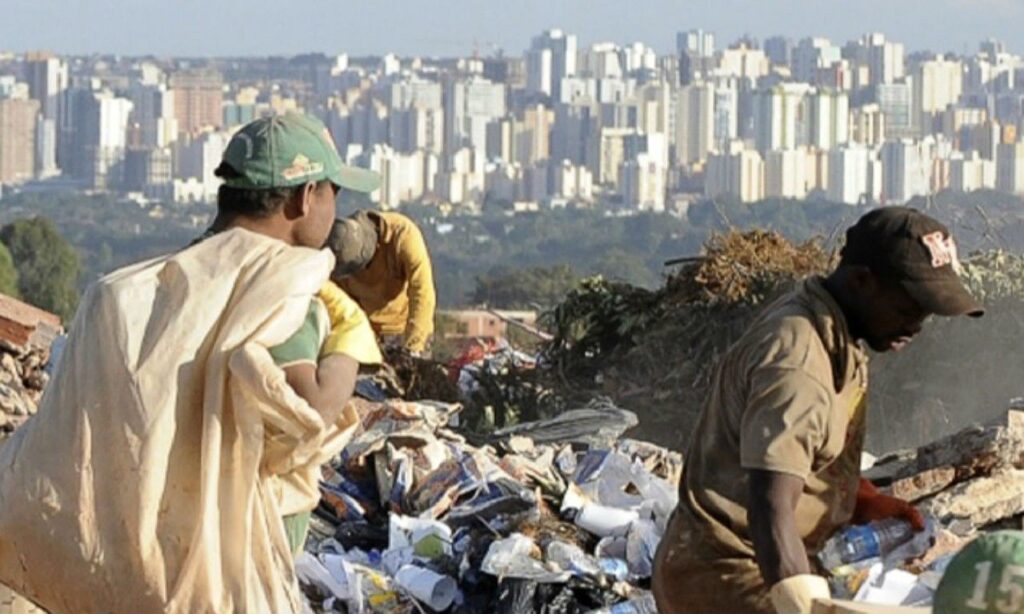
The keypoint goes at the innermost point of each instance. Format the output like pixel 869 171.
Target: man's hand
pixel 873 505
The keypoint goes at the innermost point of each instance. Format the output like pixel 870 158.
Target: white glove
pixel 796 594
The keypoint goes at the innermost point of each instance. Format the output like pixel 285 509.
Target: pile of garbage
pixel 559 515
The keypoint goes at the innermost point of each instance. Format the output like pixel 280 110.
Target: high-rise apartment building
pixel 47 77
pixel 938 83
pixel 896 101
pixel 469 107
pixel 198 97
pixel 18 120
pixel 642 184
pixel 829 118
pixel 695 123
pixel 736 173
pixel 551 58
pixel 781 120
pixel 906 170
pixel 855 175
pixel 786 173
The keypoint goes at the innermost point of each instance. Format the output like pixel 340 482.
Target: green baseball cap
pixel 288 150
pixel 986 576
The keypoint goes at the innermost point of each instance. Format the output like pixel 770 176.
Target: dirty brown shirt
pixel 788 397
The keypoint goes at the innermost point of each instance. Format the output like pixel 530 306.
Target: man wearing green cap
pixel 199 394
pixel 773 466
pixel 278 160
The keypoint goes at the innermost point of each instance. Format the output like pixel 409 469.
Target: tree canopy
pixel 47 265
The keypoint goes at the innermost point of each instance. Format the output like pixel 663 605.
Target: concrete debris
pixel 974 474
pixel 26 335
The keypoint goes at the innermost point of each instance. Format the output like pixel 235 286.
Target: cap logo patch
pixel 302 167
pixel 942 249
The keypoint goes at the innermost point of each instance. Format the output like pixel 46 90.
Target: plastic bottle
pixel 641 604
pixel 857 543
pixel 572 558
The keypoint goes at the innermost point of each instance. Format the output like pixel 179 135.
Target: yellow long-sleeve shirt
pixel 396 290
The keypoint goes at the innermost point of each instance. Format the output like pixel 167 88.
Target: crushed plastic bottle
pixel 641 604
pixel 857 543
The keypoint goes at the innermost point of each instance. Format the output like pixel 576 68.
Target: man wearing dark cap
pixel 773 468
pixel 381 261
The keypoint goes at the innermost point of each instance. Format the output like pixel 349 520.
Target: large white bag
pixel 150 478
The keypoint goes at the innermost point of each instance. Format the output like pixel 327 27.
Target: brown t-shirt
pixel 789 397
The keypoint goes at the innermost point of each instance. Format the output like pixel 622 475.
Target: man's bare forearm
pixel 328 386
pixel 771 513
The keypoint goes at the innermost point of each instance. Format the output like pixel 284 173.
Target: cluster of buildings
pixel 562 124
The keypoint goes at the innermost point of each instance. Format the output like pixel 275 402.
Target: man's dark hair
pixel 233 201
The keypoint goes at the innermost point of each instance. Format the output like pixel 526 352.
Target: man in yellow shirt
pixel 382 262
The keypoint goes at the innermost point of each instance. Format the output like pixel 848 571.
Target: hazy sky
pixel 449 27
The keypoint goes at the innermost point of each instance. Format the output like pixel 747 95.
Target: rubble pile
pixel 26 334
pixel 22 379
pixel 975 475
pixel 560 515
pixel 965 484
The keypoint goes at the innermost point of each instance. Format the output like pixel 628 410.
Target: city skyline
pixel 194 28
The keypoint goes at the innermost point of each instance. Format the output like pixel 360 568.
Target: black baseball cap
pixel 907 246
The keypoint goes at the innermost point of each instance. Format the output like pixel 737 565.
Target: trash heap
pixel 965 484
pixel 559 515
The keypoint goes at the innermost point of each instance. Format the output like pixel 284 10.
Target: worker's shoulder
pixel 398 228
pixel 786 335
pixel 396 220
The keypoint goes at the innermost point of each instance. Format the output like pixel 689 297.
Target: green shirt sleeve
pixel 304 345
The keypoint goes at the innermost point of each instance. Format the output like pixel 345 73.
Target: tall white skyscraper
pixel 829 118
pixel 695 123
pixel 884 59
pixel 938 83
pixel 643 183
pixel 786 173
pixel 906 170
pixel 469 107
pixel 855 175
pixel 780 117
pixel 738 172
